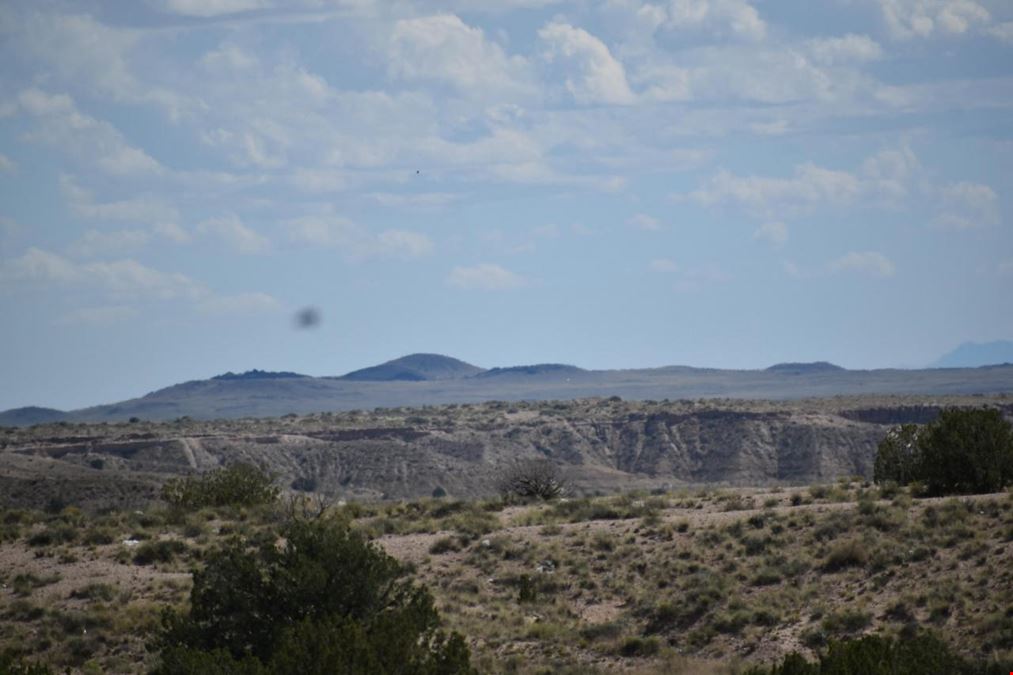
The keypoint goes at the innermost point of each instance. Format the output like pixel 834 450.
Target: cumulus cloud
pixel 123 279
pixel 445 49
pixel 773 233
pixel 140 209
pixel 209 8
pixel 663 265
pixel 173 232
pixel 93 141
pixel 908 19
pixel 721 17
pixel 7 164
pixel 80 49
pixel 231 231
pixel 97 243
pixel 593 75
pixel 810 184
pixel 241 303
pixel 966 205
pixel 354 241
pixel 485 277
pixel 1002 31
pixel 849 48
pixel 642 221
pixel 872 263
pixel 886 175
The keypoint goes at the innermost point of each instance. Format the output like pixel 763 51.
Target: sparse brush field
pixel 708 581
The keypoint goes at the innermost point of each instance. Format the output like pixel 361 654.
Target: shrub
pixel 11 664
pixel 158 551
pixel 874 655
pixel 532 478
pixel 850 553
pixel 899 456
pixel 967 451
pixel 638 646
pixel 236 485
pixel 325 601
pixel 962 451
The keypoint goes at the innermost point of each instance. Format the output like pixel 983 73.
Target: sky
pixel 610 183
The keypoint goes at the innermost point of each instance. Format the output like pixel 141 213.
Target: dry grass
pixel 701 581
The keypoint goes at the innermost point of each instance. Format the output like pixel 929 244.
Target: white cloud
pixel 445 49
pixel 40 266
pixel 93 141
pixel 485 277
pixel 229 57
pixel 7 164
pixel 720 17
pixel 907 19
pixel 663 265
pixel 849 48
pixel 414 200
pixel 95 243
pixel 872 263
pixel 593 75
pixel 173 232
pixel 642 221
pixel 1002 31
pixel 210 8
pixel 231 231
pixel 774 233
pixel 242 303
pixel 82 50
pixel 404 244
pixel 966 205
pixel 886 175
pixel 141 209
pixel 356 242
pixel 124 277
pixel 809 185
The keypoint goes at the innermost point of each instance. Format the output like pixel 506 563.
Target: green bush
pixel 236 485
pixel 874 655
pixel 158 551
pixel 967 451
pixel 326 601
pixel 962 451
pixel 898 459
pixel 11 664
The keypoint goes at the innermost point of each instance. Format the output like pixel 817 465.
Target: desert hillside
pixel 602 445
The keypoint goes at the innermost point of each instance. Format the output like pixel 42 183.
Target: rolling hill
pixel 430 379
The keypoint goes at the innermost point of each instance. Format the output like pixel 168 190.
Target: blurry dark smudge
pixel 308 317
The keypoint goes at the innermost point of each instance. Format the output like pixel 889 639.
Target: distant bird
pixel 307 317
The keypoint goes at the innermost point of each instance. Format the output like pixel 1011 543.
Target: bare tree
pixel 537 478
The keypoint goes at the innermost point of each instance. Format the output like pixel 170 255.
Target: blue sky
pixel 614 183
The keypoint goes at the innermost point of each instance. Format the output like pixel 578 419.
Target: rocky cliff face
pixel 601 445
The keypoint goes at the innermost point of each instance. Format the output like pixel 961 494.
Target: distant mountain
pixel 425 379
pixel 812 368
pixel 976 354
pixel 257 375
pixel 536 369
pixel 415 368
pixel 29 415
